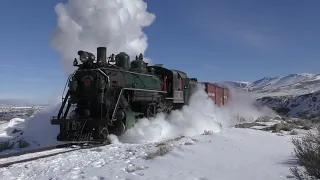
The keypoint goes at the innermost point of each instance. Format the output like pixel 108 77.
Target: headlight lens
pixel 84 57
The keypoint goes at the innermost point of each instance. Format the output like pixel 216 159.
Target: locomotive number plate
pixel 178 96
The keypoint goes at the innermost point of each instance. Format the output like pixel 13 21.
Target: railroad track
pixel 81 145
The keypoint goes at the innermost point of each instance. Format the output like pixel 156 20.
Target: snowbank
pixel 36 130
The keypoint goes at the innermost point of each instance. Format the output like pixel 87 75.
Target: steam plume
pixel 200 115
pixel 116 24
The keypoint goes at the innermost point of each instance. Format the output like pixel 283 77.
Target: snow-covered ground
pixel 231 154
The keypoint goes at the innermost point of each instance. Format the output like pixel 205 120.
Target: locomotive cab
pixel 176 84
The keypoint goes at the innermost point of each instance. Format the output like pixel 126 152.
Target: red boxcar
pixel 218 94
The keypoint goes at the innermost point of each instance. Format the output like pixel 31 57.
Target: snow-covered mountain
pixel 293 85
pixel 306 105
pixel 293 95
pixel 13 102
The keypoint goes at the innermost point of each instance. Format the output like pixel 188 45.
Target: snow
pixel 3 125
pixel 36 130
pixel 230 154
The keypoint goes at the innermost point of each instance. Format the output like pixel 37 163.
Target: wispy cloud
pixel 225 23
pixel 7 66
pixel 36 71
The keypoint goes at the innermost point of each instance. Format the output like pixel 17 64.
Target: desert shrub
pixel 307 150
pixel 162 150
pixel 188 143
pixel 240 118
pixel 132 168
pixel 293 132
pixel 263 119
pixel 305 124
pixel 279 118
pixel 279 127
pixel 6 118
pixel 23 143
pixel 248 125
pixel 6 145
pixel 30 112
pixel 206 132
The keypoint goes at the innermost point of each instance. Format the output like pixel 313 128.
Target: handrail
pixel 65 86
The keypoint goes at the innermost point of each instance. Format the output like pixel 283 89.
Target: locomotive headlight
pixel 83 56
pixel 86 56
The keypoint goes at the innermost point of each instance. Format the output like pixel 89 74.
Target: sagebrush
pixel 307 150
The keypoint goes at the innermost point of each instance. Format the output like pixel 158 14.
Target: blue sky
pixel 208 39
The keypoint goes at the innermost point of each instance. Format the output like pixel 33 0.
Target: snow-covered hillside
pixel 307 105
pixel 293 84
pixel 293 95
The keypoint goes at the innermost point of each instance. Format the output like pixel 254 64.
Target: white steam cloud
pixel 85 25
pixel 242 106
pixel 200 115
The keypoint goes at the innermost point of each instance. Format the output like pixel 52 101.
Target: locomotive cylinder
pixel 102 55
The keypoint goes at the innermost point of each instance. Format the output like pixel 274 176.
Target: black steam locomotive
pixel 108 95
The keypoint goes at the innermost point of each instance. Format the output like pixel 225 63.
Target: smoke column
pixel 85 25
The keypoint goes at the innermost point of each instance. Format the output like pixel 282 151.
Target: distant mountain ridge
pixel 295 95
pixel 15 102
pixel 292 85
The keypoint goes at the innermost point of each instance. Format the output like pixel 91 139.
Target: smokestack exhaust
pixel 102 55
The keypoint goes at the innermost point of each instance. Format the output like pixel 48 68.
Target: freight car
pixel 109 95
pixel 218 94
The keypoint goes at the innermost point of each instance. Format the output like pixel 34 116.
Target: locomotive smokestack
pixel 102 55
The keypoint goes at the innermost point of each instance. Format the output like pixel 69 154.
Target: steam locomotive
pixel 108 95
